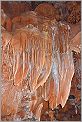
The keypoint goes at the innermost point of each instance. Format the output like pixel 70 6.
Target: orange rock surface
pixel 38 65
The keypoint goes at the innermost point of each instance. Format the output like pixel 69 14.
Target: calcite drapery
pixel 26 44
pixel 56 89
pixel 44 59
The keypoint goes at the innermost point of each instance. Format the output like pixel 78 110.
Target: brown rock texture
pixel 13 9
pixel 74 12
pixel 30 90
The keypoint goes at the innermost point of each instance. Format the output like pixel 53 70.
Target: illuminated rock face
pixel 37 65
pixel 41 60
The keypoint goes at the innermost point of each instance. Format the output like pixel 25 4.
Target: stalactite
pixel 37 64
